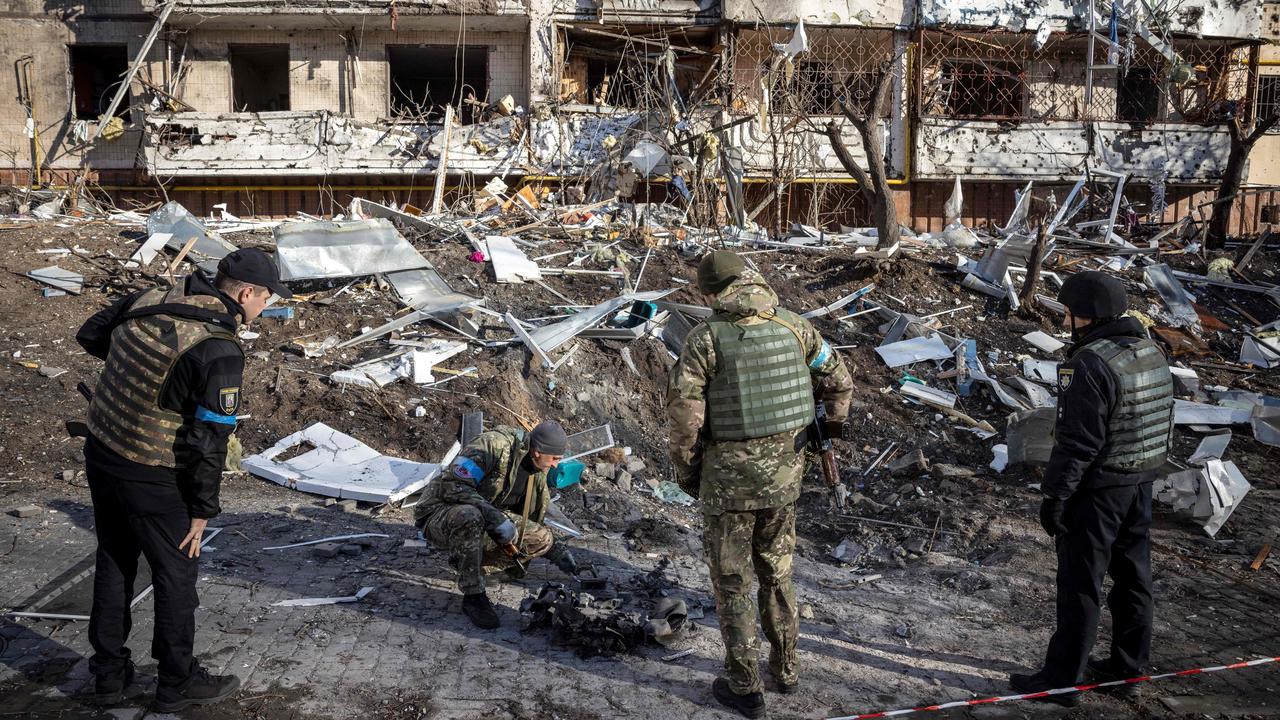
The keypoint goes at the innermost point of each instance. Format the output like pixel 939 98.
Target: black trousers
pixel 140 515
pixel 1108 533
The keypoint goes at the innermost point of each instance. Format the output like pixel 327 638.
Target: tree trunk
pixel 1231 178
pixel 874 181
pixel 1027 296
pixel 1242 143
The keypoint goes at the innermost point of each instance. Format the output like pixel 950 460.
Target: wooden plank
pixel 1256 565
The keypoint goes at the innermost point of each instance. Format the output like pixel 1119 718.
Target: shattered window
pixel 980 89
pixel 1139 96
pixel 259 77
pixel 426 78
pixel 96 73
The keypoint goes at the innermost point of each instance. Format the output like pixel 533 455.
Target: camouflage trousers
pixel 460 530
pixel 741 547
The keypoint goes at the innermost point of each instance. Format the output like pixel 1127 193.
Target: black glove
pixel 1051 510
pixel 563 559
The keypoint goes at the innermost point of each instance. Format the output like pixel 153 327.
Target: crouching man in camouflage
pixel 739 401
pixel 487 509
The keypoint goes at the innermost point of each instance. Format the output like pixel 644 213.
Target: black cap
pixel 549 439
pixel 1094 294
pixel 717 270
pixel 255 267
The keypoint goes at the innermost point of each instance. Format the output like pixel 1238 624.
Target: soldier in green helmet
pixel 739 401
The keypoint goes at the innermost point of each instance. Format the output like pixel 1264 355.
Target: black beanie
pixel 549 439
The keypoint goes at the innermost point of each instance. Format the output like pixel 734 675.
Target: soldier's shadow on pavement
pixel 413 587
pixel 846 652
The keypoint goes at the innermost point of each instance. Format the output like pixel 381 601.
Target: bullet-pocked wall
pixel 359 73
pixel 59 58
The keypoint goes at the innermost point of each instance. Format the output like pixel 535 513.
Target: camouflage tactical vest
pixel 125 413
pixel 1139 428
pixel 761 386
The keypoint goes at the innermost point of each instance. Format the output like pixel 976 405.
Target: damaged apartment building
pixel 717 105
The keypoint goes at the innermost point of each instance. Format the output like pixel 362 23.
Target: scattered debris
pixel 340 466
pixel 316 602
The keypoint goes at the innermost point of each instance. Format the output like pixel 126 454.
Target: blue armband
pixel 207 415
pixel 824 354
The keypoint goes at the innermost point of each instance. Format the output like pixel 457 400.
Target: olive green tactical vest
pixel 125 413
pixel 1139 429
pixel 762 384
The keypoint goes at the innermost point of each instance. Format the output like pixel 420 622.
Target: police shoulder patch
pixel 229 400
pixel 1064 377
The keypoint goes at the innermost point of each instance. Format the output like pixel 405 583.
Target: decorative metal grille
pixel 841 63
pixel 1004 76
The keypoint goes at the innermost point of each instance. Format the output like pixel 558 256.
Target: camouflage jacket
pixel 730 475
pixel 484 475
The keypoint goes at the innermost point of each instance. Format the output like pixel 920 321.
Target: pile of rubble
pixel 958 376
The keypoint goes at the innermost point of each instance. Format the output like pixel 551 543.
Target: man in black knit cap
pixel 487 509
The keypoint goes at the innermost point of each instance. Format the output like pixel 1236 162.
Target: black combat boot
pixel 200 689
pixel 1101 672
pixel 114 689
pixel 1023 684
pixel 479 611
pixel 750 705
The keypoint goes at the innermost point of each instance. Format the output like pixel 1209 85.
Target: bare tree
pixel 1027 296
pixel 874 181
pixel 1243 139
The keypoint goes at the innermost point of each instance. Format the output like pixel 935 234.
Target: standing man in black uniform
pixel 1115 418
pixel 159 420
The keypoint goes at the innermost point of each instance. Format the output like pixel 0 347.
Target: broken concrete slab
pixel 1043 341
pixel 1042 371
pixel 914 350
pixel 64 280
pixel 1186 412
pixel 928 395
pixel 510 264
pixel 340 466
pixel 26 511
pixel 1212 447
pixel 324 249
pixel 148 250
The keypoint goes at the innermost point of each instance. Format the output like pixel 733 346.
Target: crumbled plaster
pixel 1208 18
pixel 1061 150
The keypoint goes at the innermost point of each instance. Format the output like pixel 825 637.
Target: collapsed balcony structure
pixel 291 105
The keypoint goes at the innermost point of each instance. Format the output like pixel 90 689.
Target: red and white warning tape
pixel 1059 691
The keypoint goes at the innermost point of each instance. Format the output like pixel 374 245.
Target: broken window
pixel 259 77
pixel 96 73
pixel 1138 96
pixel 1268 102
pixel 982 89
pixel 426 78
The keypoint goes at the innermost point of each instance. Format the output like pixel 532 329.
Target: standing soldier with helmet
pixel 739 401
pixel 1115 419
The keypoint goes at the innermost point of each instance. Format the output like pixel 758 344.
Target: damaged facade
pixel 274 107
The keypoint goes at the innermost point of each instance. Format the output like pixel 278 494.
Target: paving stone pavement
pixel 404 651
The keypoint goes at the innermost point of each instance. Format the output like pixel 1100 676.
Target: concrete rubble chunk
pixel 340 466
pixel 26 511
pixel 848 551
